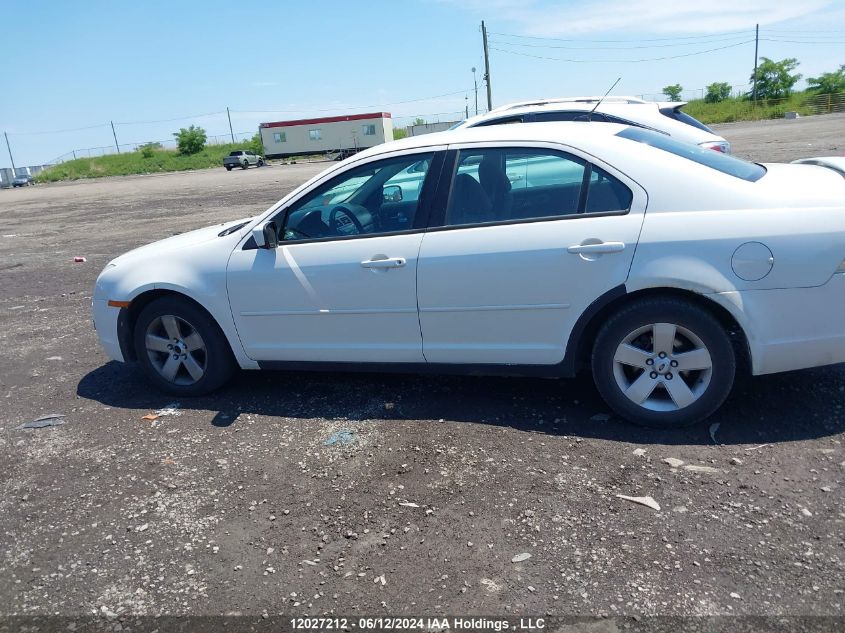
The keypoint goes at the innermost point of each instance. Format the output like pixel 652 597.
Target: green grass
pixel 739 109
pixel 129 163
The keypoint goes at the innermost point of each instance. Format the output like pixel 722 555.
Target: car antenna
pixel 598 103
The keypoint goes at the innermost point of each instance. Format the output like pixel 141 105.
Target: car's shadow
pixel 781 408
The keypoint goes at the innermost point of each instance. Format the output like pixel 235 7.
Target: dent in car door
pixel 509 292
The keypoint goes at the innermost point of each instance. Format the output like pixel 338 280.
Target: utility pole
pixel 756 43
pixel 487 67
pixel 230 124
pixel 466 107
pixel 9 147
pixel 116 146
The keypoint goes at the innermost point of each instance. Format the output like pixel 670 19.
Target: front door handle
pixel 597 249
pixel 384 262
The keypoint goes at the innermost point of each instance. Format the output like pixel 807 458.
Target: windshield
pixel 234 154
pixel 707 157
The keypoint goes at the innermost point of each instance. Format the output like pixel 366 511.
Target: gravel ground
pixel 435 489
pixel 779 140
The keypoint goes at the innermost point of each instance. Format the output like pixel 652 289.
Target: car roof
pixel 608 104
pixel 568 100
pixel 577 133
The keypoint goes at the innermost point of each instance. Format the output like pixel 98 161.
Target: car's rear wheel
pixel 663 362
pixel 228 168
pixel 181 349
pixel 245 164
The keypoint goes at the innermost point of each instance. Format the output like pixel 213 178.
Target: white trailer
pixel 345 134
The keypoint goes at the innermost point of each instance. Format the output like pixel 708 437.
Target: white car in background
pixel 536 249
pixel 667 117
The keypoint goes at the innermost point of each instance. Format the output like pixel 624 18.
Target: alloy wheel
pixel 662 367
pixel 176 350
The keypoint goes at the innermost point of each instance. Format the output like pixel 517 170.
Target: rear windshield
pixel 683 117
pixel 724 163
pixel 235 153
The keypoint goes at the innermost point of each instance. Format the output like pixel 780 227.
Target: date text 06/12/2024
pixel 417 623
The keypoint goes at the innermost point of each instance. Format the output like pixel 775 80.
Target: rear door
pixel 526 237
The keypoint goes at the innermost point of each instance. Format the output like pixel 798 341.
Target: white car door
pixel 529 237
pixel 341 286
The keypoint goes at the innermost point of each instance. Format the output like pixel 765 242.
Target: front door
pixel 341 286
pixel 529 238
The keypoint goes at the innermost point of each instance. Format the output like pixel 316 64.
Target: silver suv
pixel 666 116
pixel 243 159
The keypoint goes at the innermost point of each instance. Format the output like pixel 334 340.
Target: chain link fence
pixel 105 150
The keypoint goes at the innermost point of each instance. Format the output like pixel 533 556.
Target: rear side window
pixel 502 121
pixel 513 184
pixel 715 160
pixel 606 194
pixel 679 115
pixel 569 115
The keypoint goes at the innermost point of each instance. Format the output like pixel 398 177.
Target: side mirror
pixel 266 236
pixel 271 235
pixel 392 193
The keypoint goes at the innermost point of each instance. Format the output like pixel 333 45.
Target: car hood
pixel 182 241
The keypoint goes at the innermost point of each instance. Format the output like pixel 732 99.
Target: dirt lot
pixel 782 141
pixel 238 505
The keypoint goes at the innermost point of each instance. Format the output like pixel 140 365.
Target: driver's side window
pixel 378 197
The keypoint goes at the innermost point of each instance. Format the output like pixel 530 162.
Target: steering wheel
pixel 343 221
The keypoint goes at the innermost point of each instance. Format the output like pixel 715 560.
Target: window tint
pixel 679 115
pixel 707 157
pixel 569 115
pixel 606 193
pixel 502 121
pixel 379 197
pixel 497 185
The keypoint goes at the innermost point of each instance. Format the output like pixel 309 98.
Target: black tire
pixel 260 163
pixel 245 165
pixel 216 357
pixel 228 168
pixel 695 320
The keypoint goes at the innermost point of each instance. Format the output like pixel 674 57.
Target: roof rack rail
pixel 540 102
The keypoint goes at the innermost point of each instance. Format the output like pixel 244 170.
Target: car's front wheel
pixel 181 349
pixel 663 362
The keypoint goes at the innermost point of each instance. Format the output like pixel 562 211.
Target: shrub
pixel 148 149
pixel 190 140
pixel 717 92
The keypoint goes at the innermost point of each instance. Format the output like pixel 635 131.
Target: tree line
pixel 774 80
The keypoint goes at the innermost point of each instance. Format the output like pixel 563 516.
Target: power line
pixel 619 48
pixel 769 39
pixel 805 31
pixel 622 61
pixel 656 39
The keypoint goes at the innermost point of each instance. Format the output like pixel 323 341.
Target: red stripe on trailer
pixel 329 119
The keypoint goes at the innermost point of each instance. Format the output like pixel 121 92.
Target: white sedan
pixel 536 249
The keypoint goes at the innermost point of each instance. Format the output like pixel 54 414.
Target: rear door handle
pixel 387 262
pixel 597 249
